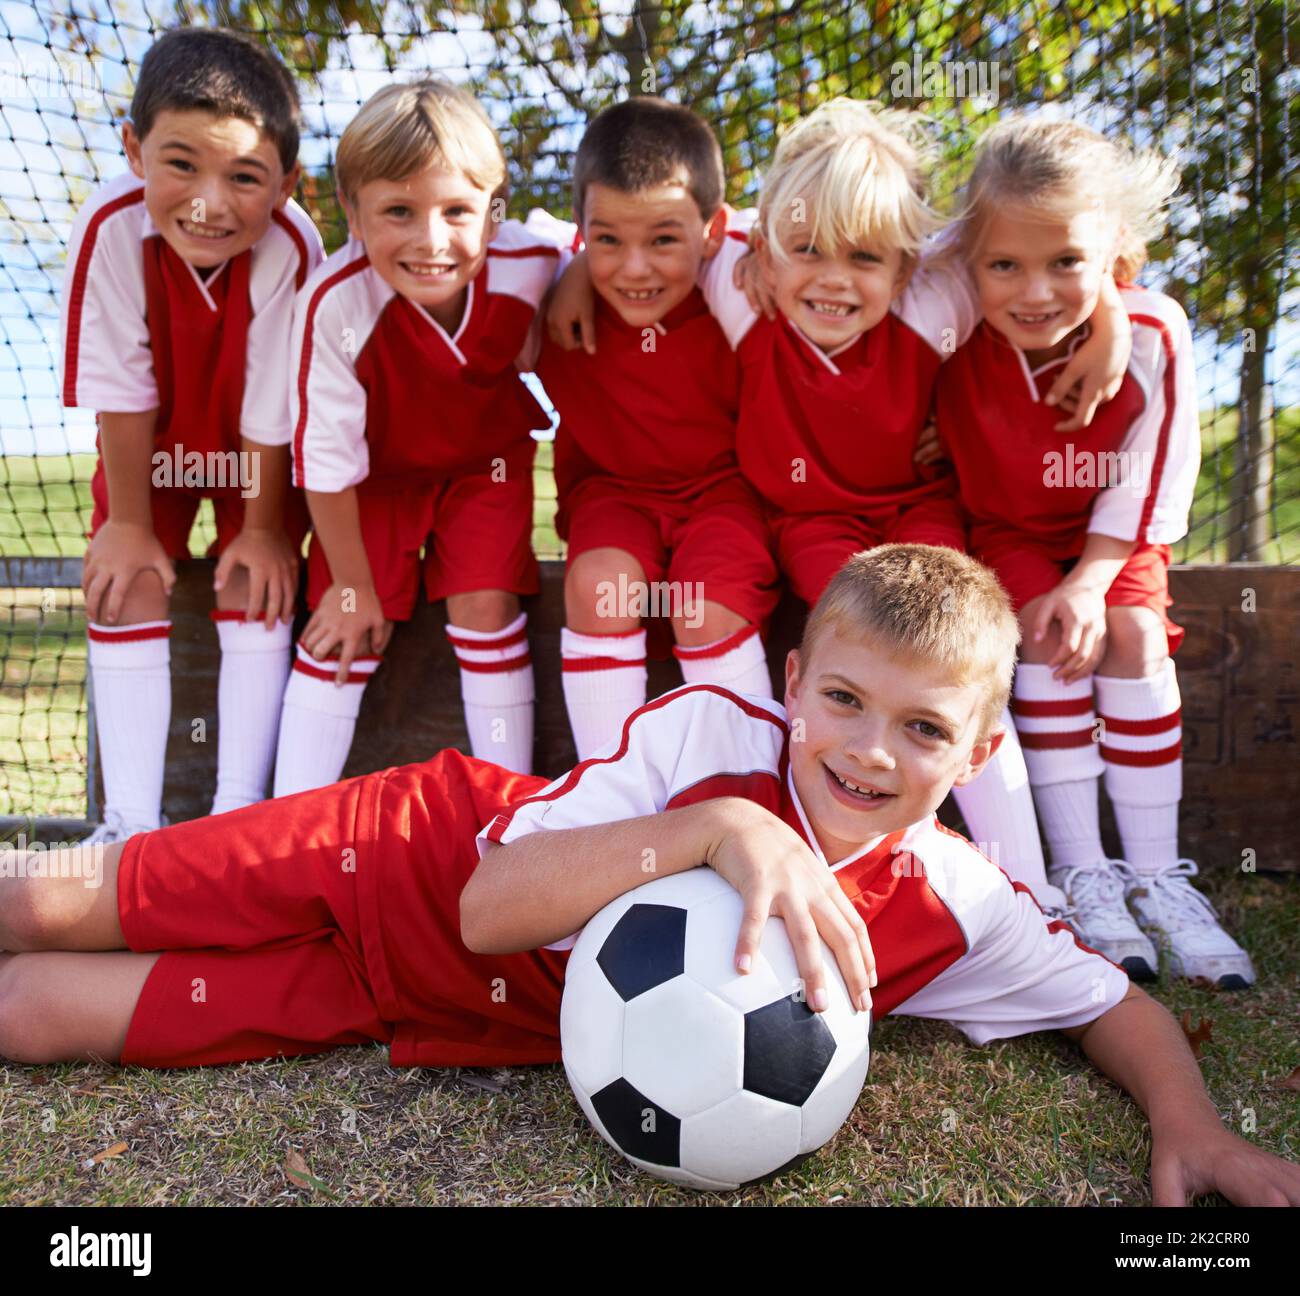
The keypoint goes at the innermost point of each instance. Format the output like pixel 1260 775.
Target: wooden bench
pixel 1238 669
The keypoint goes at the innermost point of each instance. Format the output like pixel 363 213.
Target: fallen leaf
pixel 39 1078
pixel 1199 1036
pixel 1291 1082
pixel 295 1169
pixel 89 1087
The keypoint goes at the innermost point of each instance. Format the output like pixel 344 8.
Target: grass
pixel 1024 1121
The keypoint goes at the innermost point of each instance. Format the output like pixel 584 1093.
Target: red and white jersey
pixel 384 395
pixel 1131 475
pixel 836 432
pixel 654 408
pixel 143 330
pixel 954 937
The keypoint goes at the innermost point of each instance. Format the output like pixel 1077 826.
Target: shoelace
pixel 1175 898
pixel 112 826
pixel 1090 887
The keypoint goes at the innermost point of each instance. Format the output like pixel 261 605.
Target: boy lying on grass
pixel 363 911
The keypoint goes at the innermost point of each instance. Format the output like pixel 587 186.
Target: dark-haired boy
pixel 175 328
pixel 656 514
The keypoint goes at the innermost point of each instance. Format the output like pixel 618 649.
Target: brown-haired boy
pixel 651 501
pixel 176 308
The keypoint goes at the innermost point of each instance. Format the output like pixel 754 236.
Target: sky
pixel 58 139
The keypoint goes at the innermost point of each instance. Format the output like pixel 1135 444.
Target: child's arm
pixel 1097 368
pixel 1140 1046
pixel 571 308
pixel 1079 604
pixel 349 615
pixel 125 544
pixel 261 544
pixel 548 884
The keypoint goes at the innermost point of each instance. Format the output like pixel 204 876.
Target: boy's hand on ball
pixel 348 621
pixel 571 315
pixel 119 552
pixel 272 573
pixel 778 876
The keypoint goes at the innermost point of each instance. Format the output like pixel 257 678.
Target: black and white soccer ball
pixel 696 1073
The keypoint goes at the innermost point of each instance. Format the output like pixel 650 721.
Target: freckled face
pixel 884 738
pixel 211 183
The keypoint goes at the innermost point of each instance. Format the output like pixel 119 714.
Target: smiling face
pixel 833 299
pixel 426 236
pixel 210 183
pixel 884 738
pixel 644 250
pixel 1039 279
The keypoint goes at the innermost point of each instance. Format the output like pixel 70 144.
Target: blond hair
pixel 929 602
pixel 402 130
pixel 1055 169
pixel 851 173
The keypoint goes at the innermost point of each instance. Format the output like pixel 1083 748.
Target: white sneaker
pixel 1184 923
pixel 112 830
pixel 1095 894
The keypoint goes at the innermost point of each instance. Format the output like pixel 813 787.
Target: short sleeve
pixel 939 303
pixel 105 360
pixel 327 401
pixel 1152 501
pixel 1021 974
pixel 727 303
pixel 690 745
pixel 290 251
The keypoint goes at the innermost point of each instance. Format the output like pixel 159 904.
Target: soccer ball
pixel 696 1073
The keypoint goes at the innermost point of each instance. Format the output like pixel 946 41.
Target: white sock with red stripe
pixel 737 662
pixel 1142 746
pixel 250 693
pixel 496 685
pixel 317 721
pixel 1056 724
pixel 998 808
pixel 130 671
pixel 604 682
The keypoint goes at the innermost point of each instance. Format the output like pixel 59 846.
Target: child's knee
pixel 1043 651
pixel 484 610
pixel 23 1012
pixel 601 590
pixel 29 916
pixel 1136 643
pixel 707 624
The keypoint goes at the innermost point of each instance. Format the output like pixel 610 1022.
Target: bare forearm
pixel 126 443
pixel 264 507
pixel 1142 1048
pixel 547 885
pixel 337 520
pixel 1103 559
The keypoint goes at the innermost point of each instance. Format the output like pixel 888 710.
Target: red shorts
pixel 476 534
pixel 332 917
pixel 812 547
pixel 175 508
pixel 717 538
pixel 1143 581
